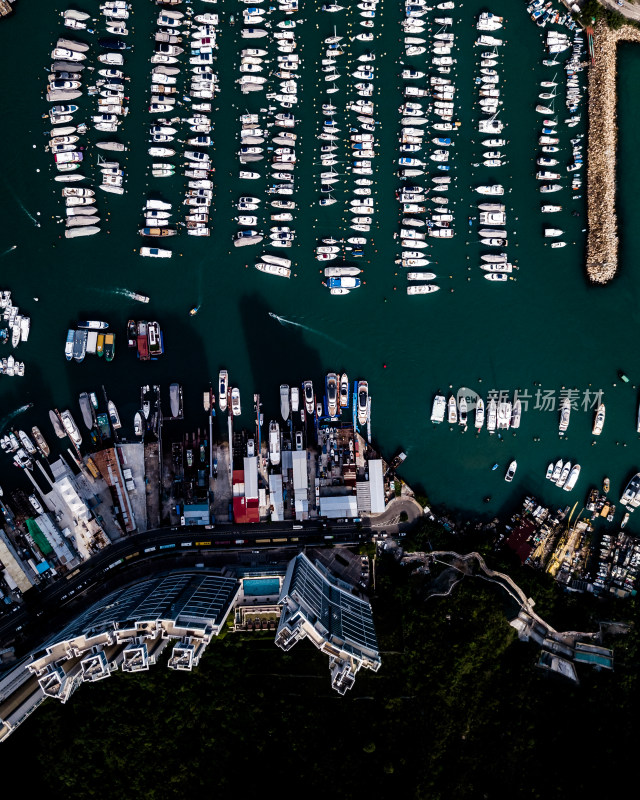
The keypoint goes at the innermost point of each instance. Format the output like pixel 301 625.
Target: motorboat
pixel 363 402
pixel 344 390
pixel 452 411
pixel 566 469
pixel 598 423
pixel 462 411
pixel 332 394
pixel 511 471
pixel 235 402
pixel 516 413
pixel 309 399
pixel 479 415
pixel 572 479
pixel 274 443
pixel 285 408
pixel 565 414
pixel 492 416
pixel 438 409
pixel 70 428
pixel 223 389
pixel 557 471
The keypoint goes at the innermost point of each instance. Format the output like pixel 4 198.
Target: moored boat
pixel 511 471
pixel 363 402
pixel 598 423
pixel 223 389
pixel 438 409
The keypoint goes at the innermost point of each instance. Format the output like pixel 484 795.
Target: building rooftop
pixel 320 606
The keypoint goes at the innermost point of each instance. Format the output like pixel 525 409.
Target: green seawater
pixel 546 330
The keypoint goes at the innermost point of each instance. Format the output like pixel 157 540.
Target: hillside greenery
pixel 457 710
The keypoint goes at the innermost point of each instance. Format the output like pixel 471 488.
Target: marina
pixel 235 289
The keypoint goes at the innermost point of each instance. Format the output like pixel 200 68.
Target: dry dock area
pixel 602 238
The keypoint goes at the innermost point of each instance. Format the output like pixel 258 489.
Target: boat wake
pixel 6 420
pixel 126 293
pixel 288 322
pixel 26 211
pixel 9 250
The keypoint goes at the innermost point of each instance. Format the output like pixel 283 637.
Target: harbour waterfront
pixel 546 330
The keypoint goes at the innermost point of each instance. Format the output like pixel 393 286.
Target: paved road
pixel 154 551
pixel 389 520
pixel 628 9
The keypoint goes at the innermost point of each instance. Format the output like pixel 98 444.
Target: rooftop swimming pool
pixel 257 587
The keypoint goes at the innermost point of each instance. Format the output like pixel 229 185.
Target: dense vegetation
pixel 593 11
pixel 458 710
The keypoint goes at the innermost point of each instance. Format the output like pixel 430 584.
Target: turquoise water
pixel 257 587
pixel 546 330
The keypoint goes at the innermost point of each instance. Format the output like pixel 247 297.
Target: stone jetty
pixel 602 238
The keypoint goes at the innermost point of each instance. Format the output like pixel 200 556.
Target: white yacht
pixel 492 415
pixel 479 420
pixel 71 428
pixel 274 443
pixel 223 389
pixel 462 411
pixel 452 416
pixel 565 414
pixel 564 475
pixel 513 466
pixel 572 479
pixel 438 409
pixel 307 390
pixel 235 401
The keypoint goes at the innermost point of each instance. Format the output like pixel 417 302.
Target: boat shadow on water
pixel 283 353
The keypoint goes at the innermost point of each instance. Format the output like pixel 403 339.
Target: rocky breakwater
pixel 602 239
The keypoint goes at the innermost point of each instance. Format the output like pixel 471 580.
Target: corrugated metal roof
pixel 376 486
pixel 300 476
pixel 275 490
pixel 251 478
pixel 339 506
